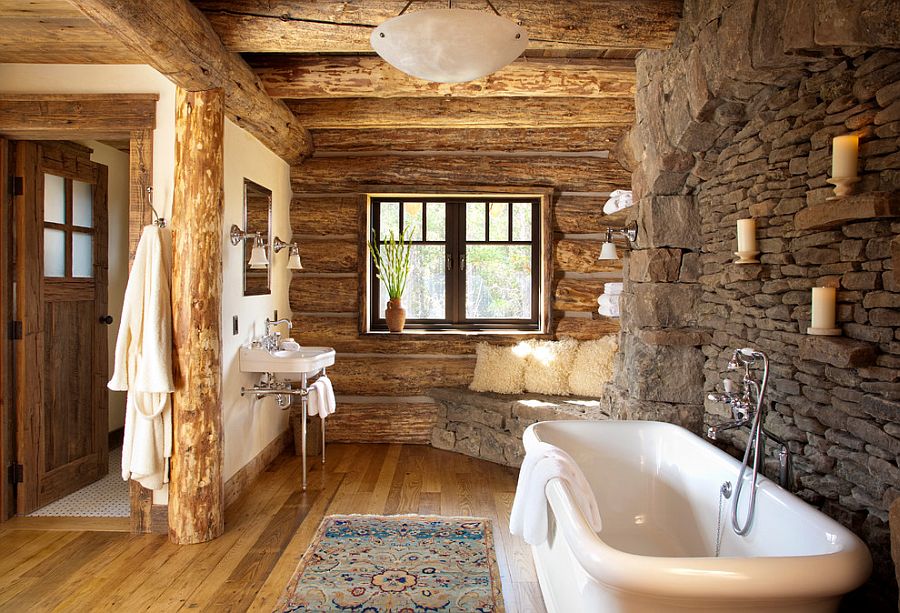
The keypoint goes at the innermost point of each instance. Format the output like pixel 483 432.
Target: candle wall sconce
pixel 844 165
pixel 746 242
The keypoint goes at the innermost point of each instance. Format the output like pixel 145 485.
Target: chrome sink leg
pixel 303 405
pixel 323 441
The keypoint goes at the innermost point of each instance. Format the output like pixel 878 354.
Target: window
pixel 475 264
pixel 68 228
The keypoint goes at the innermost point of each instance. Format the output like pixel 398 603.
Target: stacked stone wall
pixel 736 121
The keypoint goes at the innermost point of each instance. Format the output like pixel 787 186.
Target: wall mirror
pixel 257 218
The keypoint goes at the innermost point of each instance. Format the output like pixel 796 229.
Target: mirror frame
pixel 248 244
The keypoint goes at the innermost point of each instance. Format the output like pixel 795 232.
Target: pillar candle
pixel 844 156
pixel 824 303
pixel 746 235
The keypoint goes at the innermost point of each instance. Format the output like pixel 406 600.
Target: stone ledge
pixel 837 351
pixel 489 426
pixel 861 207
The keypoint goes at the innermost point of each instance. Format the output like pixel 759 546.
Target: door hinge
pixel 16 473
pixel 18 186
pixel 15 330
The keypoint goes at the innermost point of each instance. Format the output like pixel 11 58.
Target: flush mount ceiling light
pixel 449 45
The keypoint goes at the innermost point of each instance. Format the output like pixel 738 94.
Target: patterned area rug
pixel 397 564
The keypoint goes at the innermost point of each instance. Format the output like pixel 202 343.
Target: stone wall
pixel 736 121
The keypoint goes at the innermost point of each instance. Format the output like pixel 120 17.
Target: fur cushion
pixel 592 368
pixel 548 367
pixel 498 369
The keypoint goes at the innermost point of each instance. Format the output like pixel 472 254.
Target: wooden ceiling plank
pixel 297 76
pixel 470 139
pixel 346 113
pixel 176 39
pixel 336 25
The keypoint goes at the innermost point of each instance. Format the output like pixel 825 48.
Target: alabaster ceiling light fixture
pixel 449 45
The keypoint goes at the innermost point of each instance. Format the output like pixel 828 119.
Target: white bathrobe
pixel 143 364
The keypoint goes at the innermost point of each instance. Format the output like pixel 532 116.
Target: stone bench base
pixel 490 426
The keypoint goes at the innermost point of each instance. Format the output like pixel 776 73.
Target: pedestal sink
pixel 285 362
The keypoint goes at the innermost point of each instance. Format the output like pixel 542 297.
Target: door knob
pixel 106 319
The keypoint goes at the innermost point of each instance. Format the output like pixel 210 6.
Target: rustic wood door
pixel 61 293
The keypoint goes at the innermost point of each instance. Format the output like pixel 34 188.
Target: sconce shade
pixel 294 262
pixel 608 252
pixel 449 45
pixel 258 259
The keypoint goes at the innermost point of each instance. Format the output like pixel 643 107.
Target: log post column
pixel 196 496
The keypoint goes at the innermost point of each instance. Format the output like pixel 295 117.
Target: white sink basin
pixel 286 362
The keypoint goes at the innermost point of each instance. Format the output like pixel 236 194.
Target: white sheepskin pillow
pixel 549 365
pixel 498 369
pixel 593 366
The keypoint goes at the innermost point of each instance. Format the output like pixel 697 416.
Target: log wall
pixel 382 380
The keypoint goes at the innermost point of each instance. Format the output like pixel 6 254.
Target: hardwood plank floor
pixel 48 568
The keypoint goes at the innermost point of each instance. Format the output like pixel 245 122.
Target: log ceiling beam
pixel 346 113
pixel 297 76
pixel 566 140
pixel 300 26
pixel 177 40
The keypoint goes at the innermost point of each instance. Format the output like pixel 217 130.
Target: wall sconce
pixel 608 250
pixel 258 259
pixel 294 262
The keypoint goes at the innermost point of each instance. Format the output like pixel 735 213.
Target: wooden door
pixel 61 359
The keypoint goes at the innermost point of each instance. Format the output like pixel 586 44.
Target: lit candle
pixel 824 301
pixel 746 235
pixel 844 156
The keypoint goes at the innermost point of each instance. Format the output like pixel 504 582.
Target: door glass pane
pixel 54 199
pixel 522 221
pixel 499 220
pixel 390 219
pixel 498 281
pixel 82 255
pixel 82 204
pixel 54 253
pixel 436 221
pixel 424 295
pixel 475 221
pixel 412 219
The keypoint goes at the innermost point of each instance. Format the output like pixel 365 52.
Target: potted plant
pixel 391 258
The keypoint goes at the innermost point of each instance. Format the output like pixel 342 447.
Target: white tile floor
pixel 107 497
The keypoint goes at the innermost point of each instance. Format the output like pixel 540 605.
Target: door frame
pixel 86 116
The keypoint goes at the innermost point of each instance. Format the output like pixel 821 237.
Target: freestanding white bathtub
pixel 657 486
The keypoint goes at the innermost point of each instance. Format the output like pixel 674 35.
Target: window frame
pixel 454 320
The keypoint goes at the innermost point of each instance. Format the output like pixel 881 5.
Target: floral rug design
pixel 397 564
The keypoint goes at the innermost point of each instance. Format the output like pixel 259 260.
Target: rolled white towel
pixel 618 200
pixel 529 512
pixel 609 305
pixel 312 399
pixel 330 404
pixel 613 289
pixel 320 400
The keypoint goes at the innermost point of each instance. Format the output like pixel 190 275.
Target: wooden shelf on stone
pixel 859 207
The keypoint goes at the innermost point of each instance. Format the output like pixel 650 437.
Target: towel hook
pixel 157 220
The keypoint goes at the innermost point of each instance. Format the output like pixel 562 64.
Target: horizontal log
pixel 88 115
pixel 577 294
pixel 325 216
pixel 329 255
pixel 579 214
pixel 323 294
pixel 346 113
pixel 346 174
pixel 388 376
pixel 573 255
pixel 175 38
pixel 342 333
pixel 586 329
pixel 469 139
pixel 392 422
pixel 341 76
pixel 300 26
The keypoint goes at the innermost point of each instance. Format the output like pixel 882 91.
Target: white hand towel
pixel 330 404
pixel 529 512
pixel 609 305
pixel 313 399
pixel 143 364
pixel 618 200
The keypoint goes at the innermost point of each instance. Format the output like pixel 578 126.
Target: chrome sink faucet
pixel 271 341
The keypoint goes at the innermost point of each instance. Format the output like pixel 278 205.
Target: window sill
pixel 386 333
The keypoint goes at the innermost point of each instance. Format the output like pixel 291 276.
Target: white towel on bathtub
pixel 529 512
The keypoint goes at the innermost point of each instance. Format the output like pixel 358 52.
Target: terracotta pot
pixel 395 315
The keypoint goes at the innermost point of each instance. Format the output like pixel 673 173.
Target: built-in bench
pixel 489 426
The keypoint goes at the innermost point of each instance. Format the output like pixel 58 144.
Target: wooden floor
pixel 267 530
